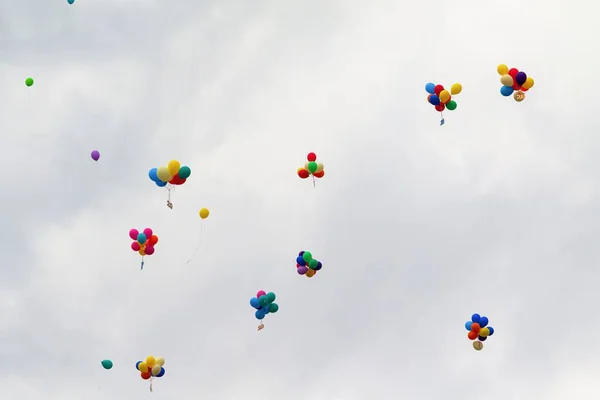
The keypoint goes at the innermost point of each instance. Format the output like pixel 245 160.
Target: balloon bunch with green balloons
pixel 264 304
pixel 307 265
pixel 441 99
pixel 311 167
pixel 172 174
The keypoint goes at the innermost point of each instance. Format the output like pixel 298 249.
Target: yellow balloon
pixel 160 361
pixel 444 96
pixel 456 88
pixel 507 80
pixel 204 213
pixel 484 332
pixel 502 69
pixel 164 174
pixel 319 167
pixel 174 167
pixel 155 370
pixel 142 252
pixel 528 83
pixel 143 367
pixel 306 166
pixel 150 361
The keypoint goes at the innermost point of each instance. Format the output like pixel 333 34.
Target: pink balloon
pixel 148 232
pixel 260 293
pixel 135 246
pixel 133 234
pixel 149 250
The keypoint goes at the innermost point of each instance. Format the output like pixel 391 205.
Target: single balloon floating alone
pixel 478 329
pixel 514 82
pixel 203 213
pixel 95 155
pixel 441 99
pixel 29 82
pixel 151 368
pixel 143 242
pixel 70 1
pixel 307 265
pixel 107 364
pixel 263 303
pixel 170 175
pixel 311 167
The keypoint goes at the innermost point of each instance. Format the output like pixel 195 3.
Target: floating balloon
pixel 107 364
pixel 70 1
pixel 264 304
pixel 441 99
pixel 151 368
pixel 95 155
pixel 143 242
pixel 171 174
pixel 311 167
pixel 29 82
pixel 307 265
pixel 514 82
pixel 478 328
pixel 204 213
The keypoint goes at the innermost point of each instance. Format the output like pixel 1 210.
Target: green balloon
pixel 107 364
pixel 263 300
pixel 273 307
pixel 312 264
pixel 270 297
pixel 307 256
pixel 451 105
pixel 312 166
pixel 184 172
pixel 29 81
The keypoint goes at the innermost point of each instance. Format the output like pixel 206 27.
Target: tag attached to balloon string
pixel 313 178
pixel 142 265
pixel 442 120
pixel 169 204
pixel 261 327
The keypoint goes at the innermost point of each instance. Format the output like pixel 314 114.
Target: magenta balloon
pixel 148 233
pixel 133 234
pixel 95 155
pixel 302 270
pixel 260 293
pixel 149 250
pixel 135 246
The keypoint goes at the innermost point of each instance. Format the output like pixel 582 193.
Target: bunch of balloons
pixel 307 265
pixel 311 167
pixel 151 368
pixel 514 82
pixel 478 329
pixel 173 174
pixel 441 99
pixel 143 242
pixel 263 303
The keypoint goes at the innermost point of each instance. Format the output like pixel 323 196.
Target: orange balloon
pixel 146 375
pixel 153 239
pixel 319 174
pixel 472 335
pixel 475 327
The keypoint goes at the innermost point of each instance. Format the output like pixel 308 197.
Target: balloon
pixel 477 346
pixel 149 250
pixel 319 266
pixel 472 335
pixel 271 297
pixel 142 238
pixel 475 327
pixel 468 325
pixel 153 240
pixel 502 69
pixel 519 96
pixel 430 88
pixel 152 174
pixel 302 270
pixel 163 174
pixel 513 72
pixel 173 167
pixel 137 365
pixel 491 330
pixel 107 364
pixel 320 167
pixel 433 99
pixel 156 369
pixel 312 166
pixel 150 361
pixel 148 232
pixel 451 105
pixel 70 1
pixel 475 318
pixel 310 273
pixel 483 321
pixel 95 155
pixel 506 91
pixel 300 261
pixel 273 308
pixel 528 84
pixel 440 107
pixel 160 183
pixel 184 172
pixel 263 300
pixel 507 80
pixel 29 82
pixel 319 174
pixel 312 264
pixel 302 173
pixel 204 213
pixel 135 246
pixel 311 157
pixel 133 234
pixel 307 256
pixel 254 303
pixel 146 375
pixel 521 77
pixel 142 252
pixel 260 293
pixel 142 366
pixel 484 332
pixel 456 89
pixel 160 361
pixel 161 373
pixel 301 253
pixel 481 338
pixel 444 96
pixel 259 314
pixel 438 89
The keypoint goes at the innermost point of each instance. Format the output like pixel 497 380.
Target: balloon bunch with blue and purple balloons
pixel 307 265
pixel 441 98
pixel 263 303
pixel 514 82
pixel 478 329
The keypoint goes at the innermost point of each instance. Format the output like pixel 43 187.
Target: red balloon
pixel 523 89
pixel 516 86
pixel 475 328
pixel 302 173
pixel 440 107
pixel 513 72
pixel 438 89
pixel 472 335
pixel 146 375
pixel 311 157
pixel 319 174
pixel 181 181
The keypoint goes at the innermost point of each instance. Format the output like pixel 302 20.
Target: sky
pixel 417 225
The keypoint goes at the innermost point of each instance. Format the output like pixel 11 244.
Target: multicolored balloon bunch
pixel 263 303
pixel 311 167
pixel 152 367
pixel 440 98
pixel 514 82
pixel 173 173
pixel 307 265
pixel 478 329
pixel 143 242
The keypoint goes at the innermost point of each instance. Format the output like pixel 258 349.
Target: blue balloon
pixel 161 373
pixel 300 261
pixel 491 330
pixel 152 174
pixel 475 318
pixel 481 338
pixel 142 237
pixel 137 364
pixel 319 266
pixel 434 100
pixel 70 1
pixel 506 91
pixel 254 303
pixel 301 253
pixel 468 325
pixel 259 314
pixel 430 88
pixel 483 321
pixel 161 184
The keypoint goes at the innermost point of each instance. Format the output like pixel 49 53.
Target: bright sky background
pixel 418 226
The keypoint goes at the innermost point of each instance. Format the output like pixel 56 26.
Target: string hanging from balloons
pixel 169 176
pixel 203 213
pixel 151 368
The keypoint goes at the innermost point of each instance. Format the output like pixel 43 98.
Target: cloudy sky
pixel 418 226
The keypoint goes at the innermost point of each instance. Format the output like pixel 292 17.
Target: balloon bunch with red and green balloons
pixel 311 167
pixel 151 367
pixel 478 329
pixel 173 173
pixel 441 98
pixel 514 82
pixel 143 242
pixel 307 265
pixel 264 304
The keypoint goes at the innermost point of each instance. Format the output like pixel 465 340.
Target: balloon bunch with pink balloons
pixel 143 242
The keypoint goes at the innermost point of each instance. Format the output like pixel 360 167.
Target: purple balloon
pixel 302 270
pixel 521 78
pixel 95 155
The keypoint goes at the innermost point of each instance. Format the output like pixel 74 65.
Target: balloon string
pixel 29 97
pixel 198 247
pixel 313 178
pixel 150 384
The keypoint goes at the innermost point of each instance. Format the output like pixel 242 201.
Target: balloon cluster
pixel 514 82
pixel 478 329
pixel 440 98
pixel 263 303
pixel 311 167
pixel 143 242
pixel 173 173
pixel 152 367
pixel 307 265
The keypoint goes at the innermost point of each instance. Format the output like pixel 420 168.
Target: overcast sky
pixel 417 226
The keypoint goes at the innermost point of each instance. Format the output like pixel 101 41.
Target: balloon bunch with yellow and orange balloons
pixel 514 82
pixel 151 368
pixel 172 174
pixel 441 99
